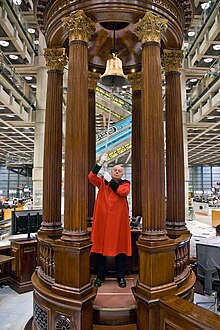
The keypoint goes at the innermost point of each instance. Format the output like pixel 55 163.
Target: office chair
pixel 208 264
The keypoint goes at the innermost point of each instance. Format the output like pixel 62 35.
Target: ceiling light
pixel 4 43
pixel 13 57
pixel 210 118
pixel 205 5
pixel 216 47
pixel 132 70
pixel 36 42
pixel 10 116
pixel 218 110
pixel 17 2
pixel 191 33
pixel 195 129
pixel 28 77
pixel 34 86
pixel 208 59
pixel 30 30
pixel 5 127
pixel 186 44
pixel 94 70
pixel 193 79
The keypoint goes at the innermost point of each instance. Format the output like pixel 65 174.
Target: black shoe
pixel 98 282
pixel 218 308
pixel 121 282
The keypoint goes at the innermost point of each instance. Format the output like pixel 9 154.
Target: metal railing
pixel 201 22
pixel 204 83
pixel 8 70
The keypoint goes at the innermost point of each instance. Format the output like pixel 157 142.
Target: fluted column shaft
pixel 174 142
pixel 93 78
pixel 149 30
pixel 135 80
pixel 52 166
pixel 76 165
pixel 152 146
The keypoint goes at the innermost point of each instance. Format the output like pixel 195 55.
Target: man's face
pixel 117 172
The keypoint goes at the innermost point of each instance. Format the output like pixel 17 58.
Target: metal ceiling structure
pixel 19 45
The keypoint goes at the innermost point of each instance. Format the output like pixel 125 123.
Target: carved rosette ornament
pixel 150 27
pixel 93 78
pixel 56 58
pixel 80 26
pixel 172 59
pixel 136 80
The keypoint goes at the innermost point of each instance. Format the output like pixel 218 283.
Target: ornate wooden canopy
pixel 118 15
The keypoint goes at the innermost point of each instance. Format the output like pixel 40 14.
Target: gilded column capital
pixel 136 80
pixel 80 26
pixel 150 27
pixel 56 58
pixel 172 59
pixel 93 78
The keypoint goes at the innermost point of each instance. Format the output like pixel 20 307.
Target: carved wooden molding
pixel 172 60
pixel 80 26
pixel 150 27
pixel 56 58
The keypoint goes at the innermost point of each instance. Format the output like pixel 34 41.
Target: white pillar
pixel 185 143
pixel 37 174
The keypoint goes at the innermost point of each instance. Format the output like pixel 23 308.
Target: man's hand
pixel 103 159
pixel 107 176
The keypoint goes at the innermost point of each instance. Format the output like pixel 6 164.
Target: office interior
pixel 162 125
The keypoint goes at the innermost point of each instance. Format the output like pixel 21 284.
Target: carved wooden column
pixel 72 251
pixel 156 276
pixel 175 221
pixel 92 83
pixel 135 80
pixel 56 59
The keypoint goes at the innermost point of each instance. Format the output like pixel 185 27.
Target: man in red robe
pixel 110 228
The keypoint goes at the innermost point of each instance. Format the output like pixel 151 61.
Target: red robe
pixel 110 227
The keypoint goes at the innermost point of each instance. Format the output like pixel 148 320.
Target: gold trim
pixel 80 26
pixel 93 78
pixel 172 60
pixel 56 58
pixel 150 27
pixel 136 80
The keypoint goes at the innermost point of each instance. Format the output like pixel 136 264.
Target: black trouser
pixel 101 269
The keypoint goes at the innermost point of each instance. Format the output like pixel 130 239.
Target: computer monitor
pixel 26 222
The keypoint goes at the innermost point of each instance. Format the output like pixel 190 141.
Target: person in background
pixel 215 241
pixel 110 228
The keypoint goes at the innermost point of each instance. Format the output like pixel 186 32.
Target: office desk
pixel 215 217
pixel 5 267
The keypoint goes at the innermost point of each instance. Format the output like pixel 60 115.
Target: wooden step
pixel 115 306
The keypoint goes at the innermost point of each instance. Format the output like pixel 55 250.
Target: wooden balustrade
pixel 46 261
pixel 181 266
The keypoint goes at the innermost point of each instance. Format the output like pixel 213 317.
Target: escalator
pixel 119 140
